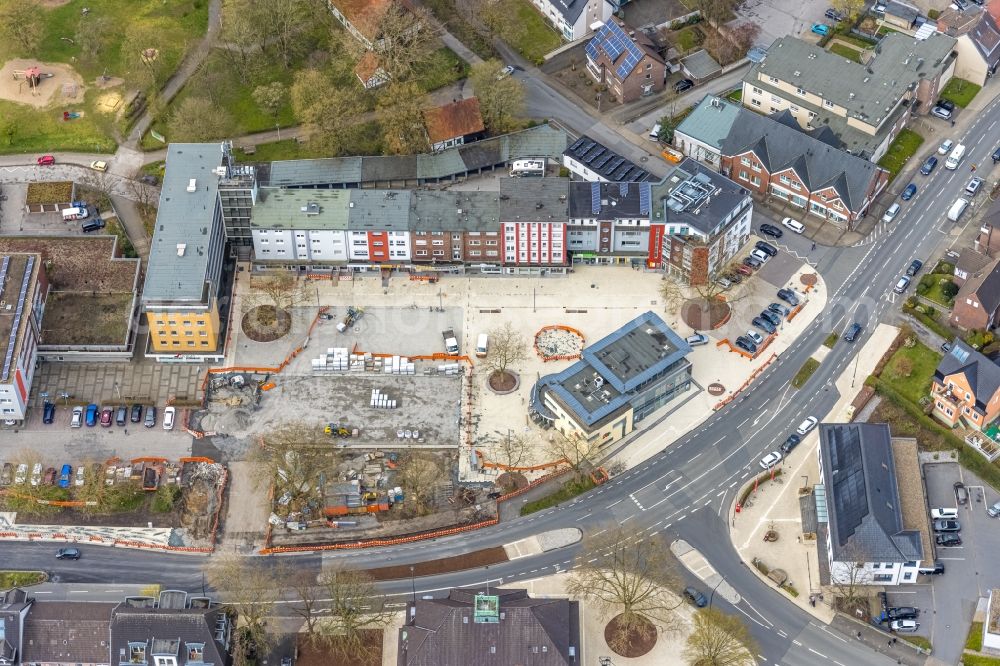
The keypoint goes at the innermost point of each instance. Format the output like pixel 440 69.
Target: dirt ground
pixel 49 91
pixel 472 560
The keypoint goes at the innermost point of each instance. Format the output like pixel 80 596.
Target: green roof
pixel 279 208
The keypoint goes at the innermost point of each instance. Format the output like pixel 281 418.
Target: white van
pixel 957 209
pixel 482 345
pixel 944 514
pixel 654 133
pixel 70 214
pixel 955 158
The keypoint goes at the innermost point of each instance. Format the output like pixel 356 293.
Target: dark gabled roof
pixel 982 374
pixel 986 286
pixel 865 515
pixel 779 143
pixel 13 602
pixel 67 632
pixel 540 632
pixel 902 10
pixel 570 9
pixel 986 37
pixel 971 261
pixel 148 625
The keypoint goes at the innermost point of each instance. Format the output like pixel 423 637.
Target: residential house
pixel 184 279
pixel 775 156
pixel 363 18
pixel 370 72
pixel 14 607
pixel 864 105
pixel 456 227
pixel 174 630
pixel 574 19
pixel 966 388
pixel 978 300
pixel 628 64
pixel 619 380
pixel 378 226
pixel 702 220
pixel 609 223
pixel 23 290
pixel 970 262
pixel 500 626
pixel 978 40
pixel 60 633
pixel 533 219
pixel 900 16
pixel 590 160
pixel 454 124
pixel 867 540
pixel 293 228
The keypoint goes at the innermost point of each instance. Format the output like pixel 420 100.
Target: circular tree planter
pixel 510 481
pixel 702 315
pixel 504 383
pixel 636 643
pixel 266 323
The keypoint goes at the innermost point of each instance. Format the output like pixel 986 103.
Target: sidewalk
pixel 775 505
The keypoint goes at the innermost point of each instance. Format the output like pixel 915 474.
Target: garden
pixel 902 148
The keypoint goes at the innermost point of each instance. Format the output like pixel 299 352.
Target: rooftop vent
pixel 311 208
pixel 181 247
pixel 192 185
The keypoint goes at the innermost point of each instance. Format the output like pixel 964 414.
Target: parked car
pixel 168 418
pixel 735 277
pixel 790 443
pixel 68 554
pixel 908 192
pixel 833 15
pixel 853 332
pixel 696 597
pixel 973 187
pixel 752 262
pixel 76 420
pixel 890 213
pixel 755 337
pixel 724 282
pixel 505 72
pixel 946 347
pixel 821 29
pixel 760 255
pixel 65 476
pixel 682 85
pixel 747 345
pixel 794 225
pixel 946 147
pixel 947 526
pixel 807 425
pixel 901 285
pixel 903 613
pixel 50 476
pixel 771 317
pixel 79 475
pixel 770 460
pixel 91 415
pixel 915 267
pixel 779 309
pixel 21 475
pixel 106 417
pixel 789 296
pixel 46 160
pixel 99 165
pixel 928 165
pixel 936 568
pixel 7 475
pixel 150 419
pixel 994 510
pixel 36 474
pixel 121 415
pixel 48 412
pixel 136 413
pixel 697 339
pixel 744 270
pixel 904 626
pixel 948 539
pixel 946 104
pixel 996 156
pixel 941 112
pixel 961 494
pixel 766 248
pixel 764 325
pixel 773 231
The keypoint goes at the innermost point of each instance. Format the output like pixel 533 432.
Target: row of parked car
pixel 768 321
pixel 121 415
pixel 38 475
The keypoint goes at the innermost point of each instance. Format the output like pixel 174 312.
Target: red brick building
pixel 628 64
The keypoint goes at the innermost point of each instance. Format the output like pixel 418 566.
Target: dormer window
pixel 195 653
pixel 137 653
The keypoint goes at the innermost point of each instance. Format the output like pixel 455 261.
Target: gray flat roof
pixel 695 196
pixel 440 210
pixel 184 218
pixel 279 208
pixel 869 92
pixel 387 210
pixel 315 172
pixel 534 199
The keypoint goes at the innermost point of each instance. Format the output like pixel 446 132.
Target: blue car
pixel 65 476
pixel 821 29
pixel 91 415
pixel 929 165
pixel 908 193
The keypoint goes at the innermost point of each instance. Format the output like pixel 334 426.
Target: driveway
pixel 970 570
pixel 778 18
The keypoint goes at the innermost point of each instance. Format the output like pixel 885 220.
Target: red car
pixel 46 160
pixel 746 270
pixel 106 415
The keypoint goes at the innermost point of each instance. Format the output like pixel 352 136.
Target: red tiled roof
pixel 364 15
pixel 994 9
pixel 367 67
pixel 452 120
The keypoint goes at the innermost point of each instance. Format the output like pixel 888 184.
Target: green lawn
pixel 831 339
pixel 979 660
pixel 9 579
pixel 537 36
pixel 853 55
pixel 919 641
pixel 974 641
pixel 857 41
pixel 903 147
pixel 44 131
pixel 932 287
pixel 735 96
pixel 569 490
pixel 465 32
pixel 805 372
pixel 444 67
pixel 910 369
pixel 688 38
pixel 960 91
pixel 366 141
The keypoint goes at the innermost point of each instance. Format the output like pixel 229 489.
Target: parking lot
pixel 948 602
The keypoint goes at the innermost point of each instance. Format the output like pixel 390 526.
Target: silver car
pixel 994 510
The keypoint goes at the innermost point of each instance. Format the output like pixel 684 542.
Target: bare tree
pixel 850 577
pixel 92 36
pixel 145 196
pixel 510 450
pixel 282 291
pixel 399 111
pixel 849 8
pixel 508 348
pixel 672 292
pixel 142 54
pixel 419 476
pixel 294 458
pixel 286 21
pixel 324 110
pixel 633 575
pixel 579 453
pixel 406 37
pixel 719 639
pixel 355 606
pixel 20 22
pixel 252 589
pixel 308 592
pixel 197 119
pixel 501 97
pixel 495 18
pixel 270 97
pixel 243 37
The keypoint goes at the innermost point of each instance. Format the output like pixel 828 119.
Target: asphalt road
pixel 685 490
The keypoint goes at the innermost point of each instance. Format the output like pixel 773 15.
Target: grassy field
pixel 900 151
pixel 910 369
pixel 935 283
pixel 569 490
pixel 537 37
pixel 974 641
pixel 465 32
pixel 367 141
pixel 43 131
pixel 9 579
pixel 688 38
pixel 831 339
pixel 960 91
pixel 979 660
pixel 919 641
pixel 805 372
pixel 846 51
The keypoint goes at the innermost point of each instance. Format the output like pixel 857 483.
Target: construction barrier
pixel 507 468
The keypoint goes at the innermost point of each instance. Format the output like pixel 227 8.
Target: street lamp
pixel 413 586
pixel 711 597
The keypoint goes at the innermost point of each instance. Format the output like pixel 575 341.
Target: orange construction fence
pixel 756 373
pixel 483 462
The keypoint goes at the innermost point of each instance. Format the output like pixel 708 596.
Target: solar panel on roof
pixel 623 189
pixel 617 162
pixel 639 175
pixel 620 174
pixel 604 160
pixel 644 198
pixel 583 150
pixel 595 197
pixel 597 153
pixel 579 142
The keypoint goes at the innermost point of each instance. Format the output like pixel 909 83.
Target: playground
pixel 40 84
